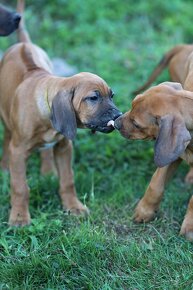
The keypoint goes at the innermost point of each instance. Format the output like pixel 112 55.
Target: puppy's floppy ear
pixel 174 85
pixel 172 140
pixel 63 116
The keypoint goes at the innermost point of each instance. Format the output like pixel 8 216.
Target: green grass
pixel 121 41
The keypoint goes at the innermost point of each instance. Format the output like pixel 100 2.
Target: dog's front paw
pixel 144 212
pixel 19 218
pixel 187 229
pixel 75 207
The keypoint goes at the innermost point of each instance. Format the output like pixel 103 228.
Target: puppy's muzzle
pixel 9 21
pixel 118 123
pixel 16 19
pixel 99 123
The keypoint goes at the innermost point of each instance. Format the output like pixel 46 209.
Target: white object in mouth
pixel 111 123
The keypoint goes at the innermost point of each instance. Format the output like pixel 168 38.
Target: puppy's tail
pixel 22 33
pixel 159 68
pixel 28 57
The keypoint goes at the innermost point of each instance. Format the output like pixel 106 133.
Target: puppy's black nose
pixel 118 123
pixel 17 18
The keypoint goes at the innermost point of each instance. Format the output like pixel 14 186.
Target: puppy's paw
pixel 187 229
pixel 19 218
pixel 75 207
pixel 84 211
pixel 144 212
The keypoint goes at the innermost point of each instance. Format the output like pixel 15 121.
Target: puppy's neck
pixel 47 90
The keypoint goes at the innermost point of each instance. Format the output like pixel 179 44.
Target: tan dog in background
pixel 163 113
pixel 179 63
pixel 39 109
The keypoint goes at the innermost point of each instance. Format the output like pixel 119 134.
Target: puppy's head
pixel 9 21
pixel 156 115
pixel 85 101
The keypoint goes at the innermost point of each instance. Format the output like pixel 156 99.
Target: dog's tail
pixel 159 68
pixel 28 58
pixel 22 33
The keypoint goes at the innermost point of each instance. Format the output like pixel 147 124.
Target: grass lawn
pixel 121 41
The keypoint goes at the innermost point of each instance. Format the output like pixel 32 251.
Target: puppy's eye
pixel 136 125
pixel 93 98
pixel 112 95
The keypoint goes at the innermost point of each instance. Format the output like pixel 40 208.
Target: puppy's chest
pixel 49 139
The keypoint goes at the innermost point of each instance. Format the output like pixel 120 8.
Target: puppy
pixel 9 21
pixel 163 113
pixel 40 110
pixel 178 61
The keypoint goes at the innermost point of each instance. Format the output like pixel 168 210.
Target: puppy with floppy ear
pixel 163 113
pixel 40 110
pixel 179 62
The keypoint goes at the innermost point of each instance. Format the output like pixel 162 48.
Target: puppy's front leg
pixel 63 159
pixel 148 205
pixel 19 215
pixel 187 225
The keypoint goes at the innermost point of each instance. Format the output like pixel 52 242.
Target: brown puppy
pixel 178 60
pixel 39 109
pixel 163 113
pixel 9 21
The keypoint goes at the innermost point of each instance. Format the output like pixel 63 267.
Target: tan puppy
pixel 178 60
pixel 163 113
pixel 39 109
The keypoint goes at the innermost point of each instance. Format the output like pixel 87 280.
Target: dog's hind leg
pixel 63 159
pixel 5 154
pixel 47 162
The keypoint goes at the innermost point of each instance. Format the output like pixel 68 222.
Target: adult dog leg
pixel 5 155
pixel 47 162
pixel 63 159
pixel 148 205
pixel 19 215
pixel 187 225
